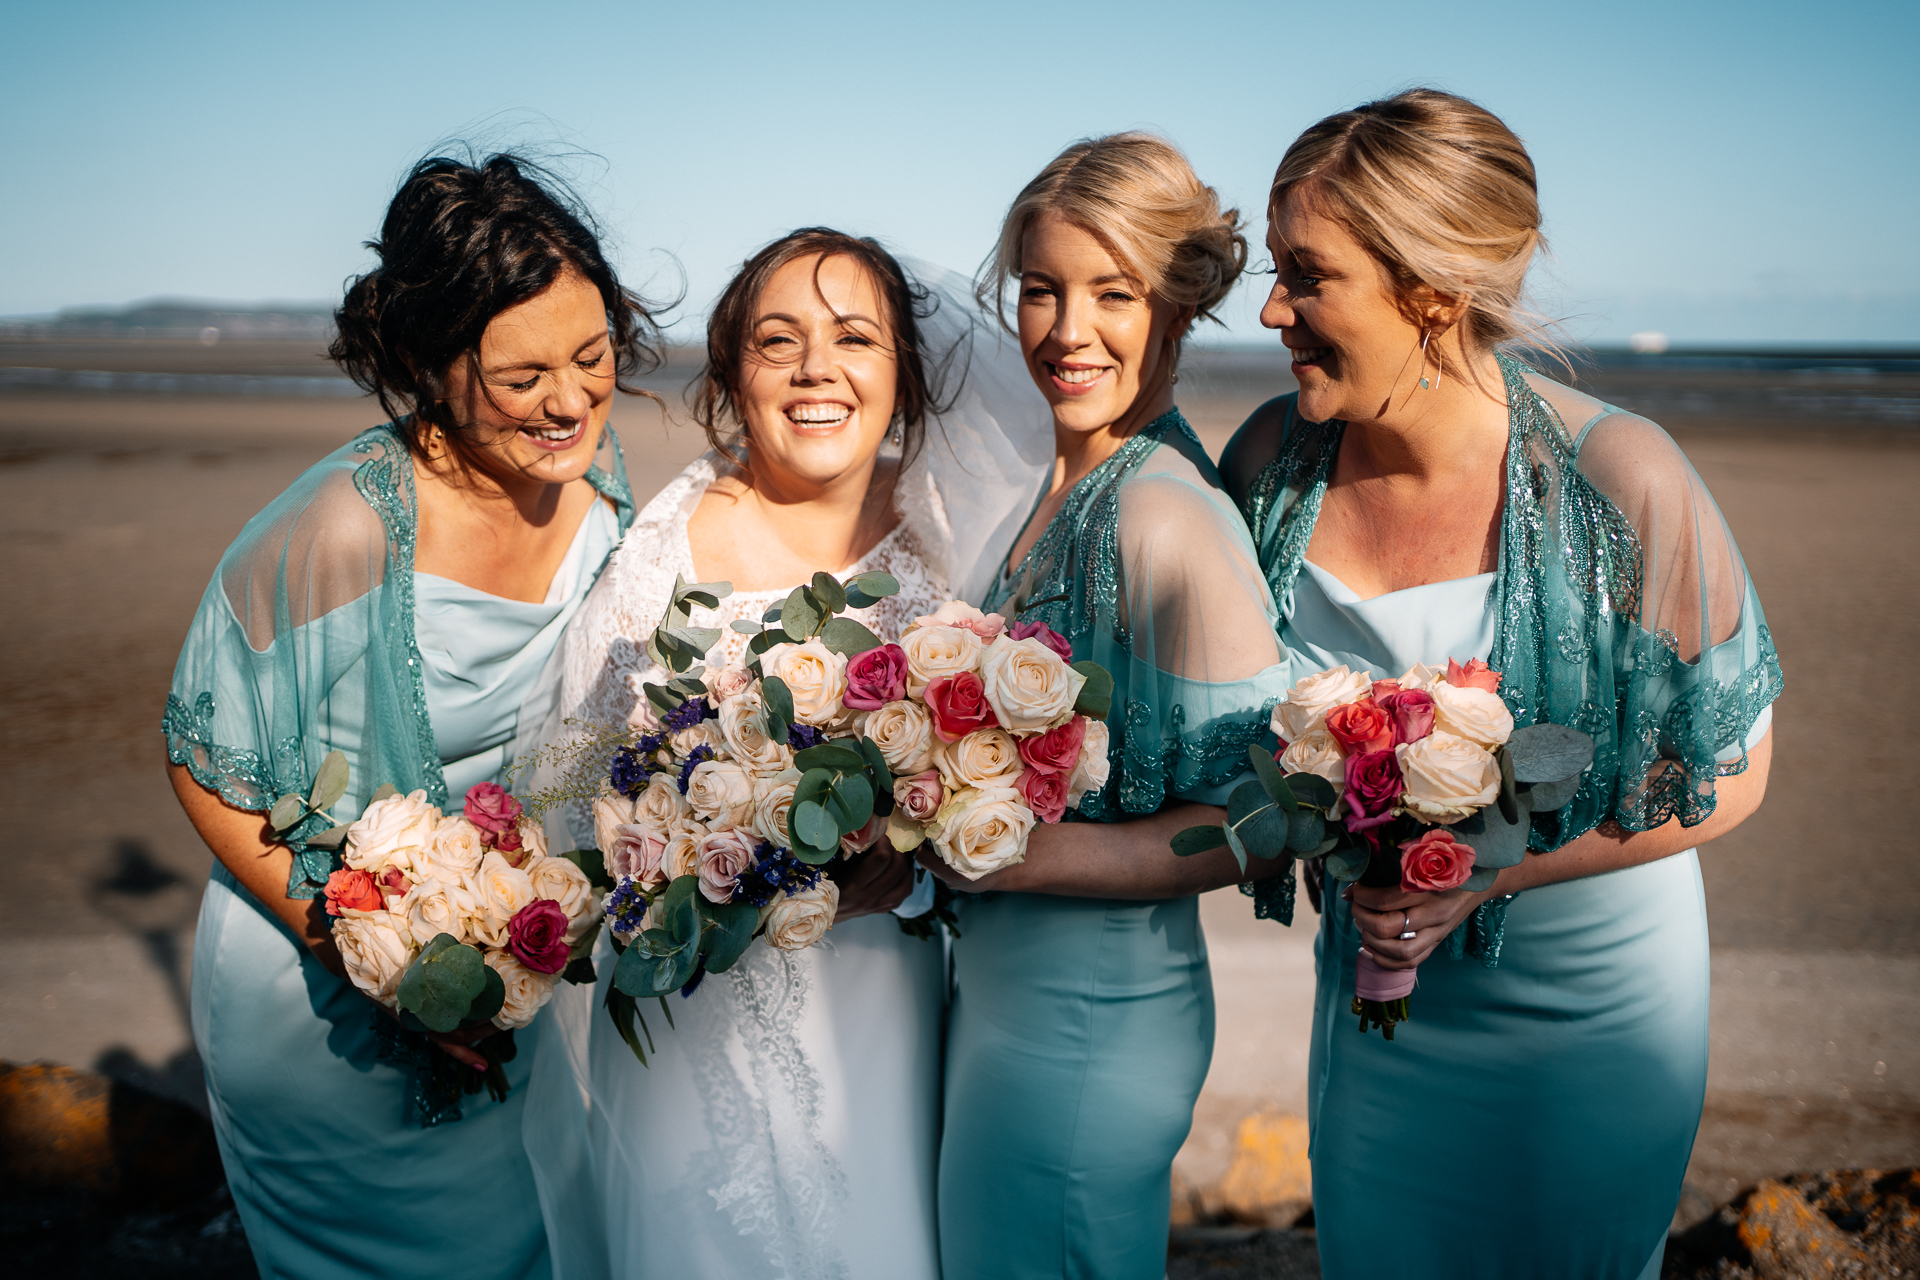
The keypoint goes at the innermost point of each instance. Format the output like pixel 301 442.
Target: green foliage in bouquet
pixel 292 809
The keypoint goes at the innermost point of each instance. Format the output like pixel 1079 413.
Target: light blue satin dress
pixel 1532 1119
pixel 328 1176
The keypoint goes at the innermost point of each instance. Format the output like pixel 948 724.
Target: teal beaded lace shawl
pixel 304 643
pixel 1622 605
pixel 1148 570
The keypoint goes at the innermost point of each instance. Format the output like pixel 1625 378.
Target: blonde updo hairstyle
pixel 1138 196
pixel 1441 192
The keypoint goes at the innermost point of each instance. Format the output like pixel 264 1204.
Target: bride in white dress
pixel 788 1122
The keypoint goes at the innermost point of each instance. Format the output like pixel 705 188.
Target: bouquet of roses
pixel 1423 782
pixel 720 816
pixel 451 920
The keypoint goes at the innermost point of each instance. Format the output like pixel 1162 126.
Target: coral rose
pixel 876 677
pixel 1045 794
pixel 352 890
pixel 958 706
pixel 1058 749
pixel 1360 727
pixel 1475 675
pixel 1434 863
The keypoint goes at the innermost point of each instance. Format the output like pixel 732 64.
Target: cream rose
pixel 904 735
pixel 803 919
pixel 1447 777
pixel 1028 687
pixel 980 831
pixel 958 613
pixel 499 889
pixel 934 653
pixel 1473 714
pixel 456 851
pixel 610 812
pixel 772 802
pixel 1422 676
pixel 682 855
pixel 721 791
pixel 661 804
pixel 533 842
pixel 374 951
pixel 743 725
pixel 815 675
pixel 526 991
pixel 1316 752
pixel 559 881
pixel 690 739
pixel 434 907
pixel 1090 774
pixel 1307 703
pixel 726 682
pixel 984 758
pixel 391 832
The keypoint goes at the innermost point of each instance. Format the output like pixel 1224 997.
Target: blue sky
pixel 1721 172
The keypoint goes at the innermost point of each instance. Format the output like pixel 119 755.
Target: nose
pixel 1278 311
pixel 1069 323
pixel 816 362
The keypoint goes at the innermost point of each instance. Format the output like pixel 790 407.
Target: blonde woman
pixel 1082 1021
pixel 1426 496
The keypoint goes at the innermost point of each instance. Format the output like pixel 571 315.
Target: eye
pixel 526 386
pixel 1035 292
pixel 593 363
pixel 1119 296
pixel 857 339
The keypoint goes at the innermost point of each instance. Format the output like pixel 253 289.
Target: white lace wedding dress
pixel 788 1123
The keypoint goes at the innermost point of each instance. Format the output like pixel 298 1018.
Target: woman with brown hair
pixel 398 604
pixel 1426 496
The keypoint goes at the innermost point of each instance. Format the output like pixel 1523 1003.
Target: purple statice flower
pixel 802 736
pixel 688 714
pixel 626 907
pixel 775 874
pixel 700 755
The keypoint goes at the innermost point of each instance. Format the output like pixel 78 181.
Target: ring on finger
pixel 1407 930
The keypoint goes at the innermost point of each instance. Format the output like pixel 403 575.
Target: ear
pixel 1182 321
pixel 1427 308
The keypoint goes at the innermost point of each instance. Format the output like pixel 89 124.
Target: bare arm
pixel 1384 913
pixel 1113 860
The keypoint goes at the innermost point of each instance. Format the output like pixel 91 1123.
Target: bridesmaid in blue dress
pixel 1082 1017
pixel 1425 497
pixel 397 603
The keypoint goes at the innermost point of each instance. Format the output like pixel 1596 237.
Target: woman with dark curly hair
pixel 397 603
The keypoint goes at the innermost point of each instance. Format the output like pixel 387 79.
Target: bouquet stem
pixel 1380 995
pixel 1381 1013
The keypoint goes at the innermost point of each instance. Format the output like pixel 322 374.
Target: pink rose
pixel 350 890
pixel 876 677
pixel 1046 635
pixel 863 839
pixel 639 851
pixel 1360 727
pixel 919 796
pixel 1058 749
pixel 393 882
pixel 958 705
pixel 958 613
pixel 1434 863
pixel 1411 711
pixel 496 813
pixel 1045 794
pixel 723 856
pixel 1373 784
pixel 537 936
pixel 1382 689
pixel 1475 675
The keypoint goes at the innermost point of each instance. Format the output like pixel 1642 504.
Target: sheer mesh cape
pixel 1622 605
pixel 304 644
pixel 1148 570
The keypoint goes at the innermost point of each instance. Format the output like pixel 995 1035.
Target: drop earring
pixel 1440 366
pixel 899 434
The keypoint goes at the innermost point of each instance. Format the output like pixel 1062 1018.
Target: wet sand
pixel 116 506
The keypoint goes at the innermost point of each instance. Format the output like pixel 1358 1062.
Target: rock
pixel 64 1131
pixel 1269 1183
pixel 1858 1222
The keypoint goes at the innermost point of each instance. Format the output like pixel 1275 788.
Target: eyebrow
pixel 843 318
pixel 535 364
pixel 1111 278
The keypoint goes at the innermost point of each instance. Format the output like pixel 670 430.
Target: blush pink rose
pixel 1058 749
pixel 958 613
pixel 865 838
pixel 958 705
pixel 496 813
pixel 350 890
pixel 1045 794
pixel 1360 727
pixel 723 856
pixel 393 882
pixel 876 677
pixel 1411 711
pixel 1475 675
pixel 1046 635
pixel 919 796
pixel 639 851
pixel 537 936
pixel 1434 863
pixel 1373 784
pixel 1382 689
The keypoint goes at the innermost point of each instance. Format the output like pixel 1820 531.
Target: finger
pixel 1387 898
pixel 460 1053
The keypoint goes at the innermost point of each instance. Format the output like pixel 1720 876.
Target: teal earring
pixel 1425 385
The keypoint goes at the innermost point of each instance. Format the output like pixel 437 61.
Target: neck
pixel 1432 435
pixel 1077 453
pixel 506 499
pixel 822 523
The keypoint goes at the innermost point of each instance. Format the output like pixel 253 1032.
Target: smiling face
pixel 1354 341
pixel 546 377
pixel 1099 346
pixel 819 381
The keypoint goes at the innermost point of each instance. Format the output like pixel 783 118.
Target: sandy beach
pixel 116 505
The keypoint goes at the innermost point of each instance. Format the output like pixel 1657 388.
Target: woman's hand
pixel 878 882
pixel 1385 913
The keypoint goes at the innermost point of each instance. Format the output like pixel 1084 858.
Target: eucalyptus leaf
pixel 713 592
pixel 730 927
pixel 286 812
pixel 810 824
pixel 441 983
pixel 1509 806
pixel 1268 772
pixel 777 700
pixel 1265 833
pixel 1549 753
pixel 877 769
pixel 1542 797
pixel 661 697
pixel 765 640
pixel 680 914
pixel 492 997
pixel 1237 845
pixel 875 584
pixel 331 838
pixel 812 786
pixel 830 755
pixel 1305 831
pixel 1311 788
pixel 1349 864
pixel 1096 695
pixel 830 594
pixel 676 970
pixel 851 802
pixel 815 857
pixel 771 616
pixel 847 636
pixel 1245 799
pixel 798 617
pixel 1503 843
pixel 330 783
pixel 622 1008
pixel 744 627
pixel 1198 840
pixel 579 972
pixel 1471 825
pixel 1481 880
pixel 634 974
pixel 385 791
